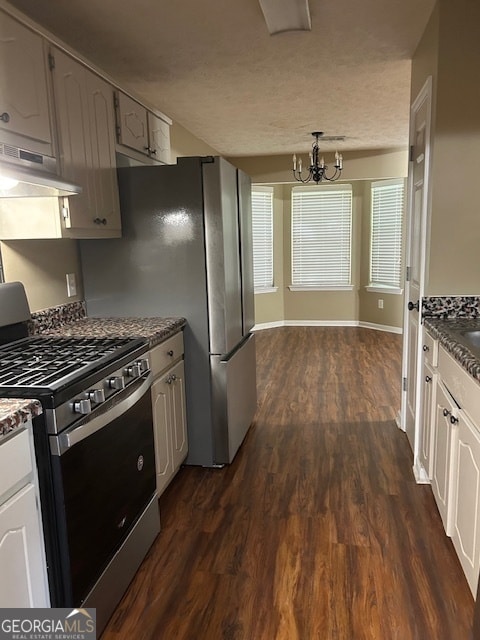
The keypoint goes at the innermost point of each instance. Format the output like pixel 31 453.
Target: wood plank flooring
pixel 318 529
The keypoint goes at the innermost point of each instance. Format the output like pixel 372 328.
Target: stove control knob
pixel 117 383
pixel 96 395
pixel 144 364
pixel 82 406
pixel 134 370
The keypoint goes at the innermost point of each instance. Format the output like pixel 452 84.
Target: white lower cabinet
pixel 466 500
pixel 443 445
pixel 428 418
pixel 169 409
pixel 456 461
pixel 23 573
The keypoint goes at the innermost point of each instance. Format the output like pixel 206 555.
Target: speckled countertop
pixel 154 329
pixel 446 331
pixel 14 413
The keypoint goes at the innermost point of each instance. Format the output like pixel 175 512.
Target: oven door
pixel 103 478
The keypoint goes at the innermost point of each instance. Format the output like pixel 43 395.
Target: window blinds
pixel 386 234
pixel 262 230
pixel 321 236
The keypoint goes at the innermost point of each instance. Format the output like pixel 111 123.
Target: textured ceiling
pixel 212 67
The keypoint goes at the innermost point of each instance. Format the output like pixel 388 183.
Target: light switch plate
pixel 71 285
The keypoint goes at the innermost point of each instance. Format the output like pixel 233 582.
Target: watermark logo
pixel 48 624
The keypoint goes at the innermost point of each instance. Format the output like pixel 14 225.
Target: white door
pixel 416 256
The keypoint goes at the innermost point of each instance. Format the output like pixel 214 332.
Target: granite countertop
pixel 156 330
pixel 446 332
pixel 14 413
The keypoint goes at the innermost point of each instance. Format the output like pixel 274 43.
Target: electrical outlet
pixel 380 303
pixel 71 285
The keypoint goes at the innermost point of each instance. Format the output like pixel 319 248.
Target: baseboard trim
pixel 380 327
pixel 420 474
pixel 326 323
pixel 268 325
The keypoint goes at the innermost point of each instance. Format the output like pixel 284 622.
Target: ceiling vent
pixel 286 15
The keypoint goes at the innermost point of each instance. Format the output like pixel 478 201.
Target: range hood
pixel 24 174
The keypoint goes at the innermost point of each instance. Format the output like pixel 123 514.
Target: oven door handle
pixel 69 438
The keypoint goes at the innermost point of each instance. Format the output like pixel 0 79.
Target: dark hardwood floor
pixel 318 529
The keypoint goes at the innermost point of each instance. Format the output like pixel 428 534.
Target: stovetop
pixel 50 362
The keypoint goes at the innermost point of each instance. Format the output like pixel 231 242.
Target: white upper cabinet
pixel 159 138
pixel 102 129
pixel 141 131
pixel 86 134
pixel 24 107
pixel 53 103
pixel 132 123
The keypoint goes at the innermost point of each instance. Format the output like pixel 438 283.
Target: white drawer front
pixel 15 461
pixel 166 353
pixel 461 385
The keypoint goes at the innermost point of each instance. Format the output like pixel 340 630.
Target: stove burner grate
pixel 42 361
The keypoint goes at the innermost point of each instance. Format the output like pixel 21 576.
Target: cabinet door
pixel 102 127
pixel 444 443
pixel 179 421
pixel 22 574
pixel 428 422
pixel 132 124
pixel 466 500
pixel 23 88
pixel 162 431
pixel 74 136
pixel 159 138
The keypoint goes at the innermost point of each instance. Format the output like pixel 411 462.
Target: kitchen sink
pixel 472 337
pixel 469 338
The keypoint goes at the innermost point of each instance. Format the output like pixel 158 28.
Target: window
pixel 262 229
pixel 321 237
pixel 386 234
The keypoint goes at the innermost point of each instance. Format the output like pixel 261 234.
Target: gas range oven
pixel 94 448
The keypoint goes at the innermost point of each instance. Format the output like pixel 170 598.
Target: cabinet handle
pixel 5 117
pixel 153 152
pixel 174 377
pixel 446 413
pixel 453 419
pixel 426 348
pixel 100 221
pixel 170 353
pixel 428 379
pixel 169 380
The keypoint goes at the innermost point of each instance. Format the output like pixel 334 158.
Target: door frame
pixel 425 94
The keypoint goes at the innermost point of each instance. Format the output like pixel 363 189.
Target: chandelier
pixel 317 170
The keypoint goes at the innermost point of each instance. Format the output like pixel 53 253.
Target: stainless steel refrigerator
pixel 186 250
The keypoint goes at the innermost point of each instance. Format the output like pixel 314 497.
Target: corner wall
pixel 450 53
